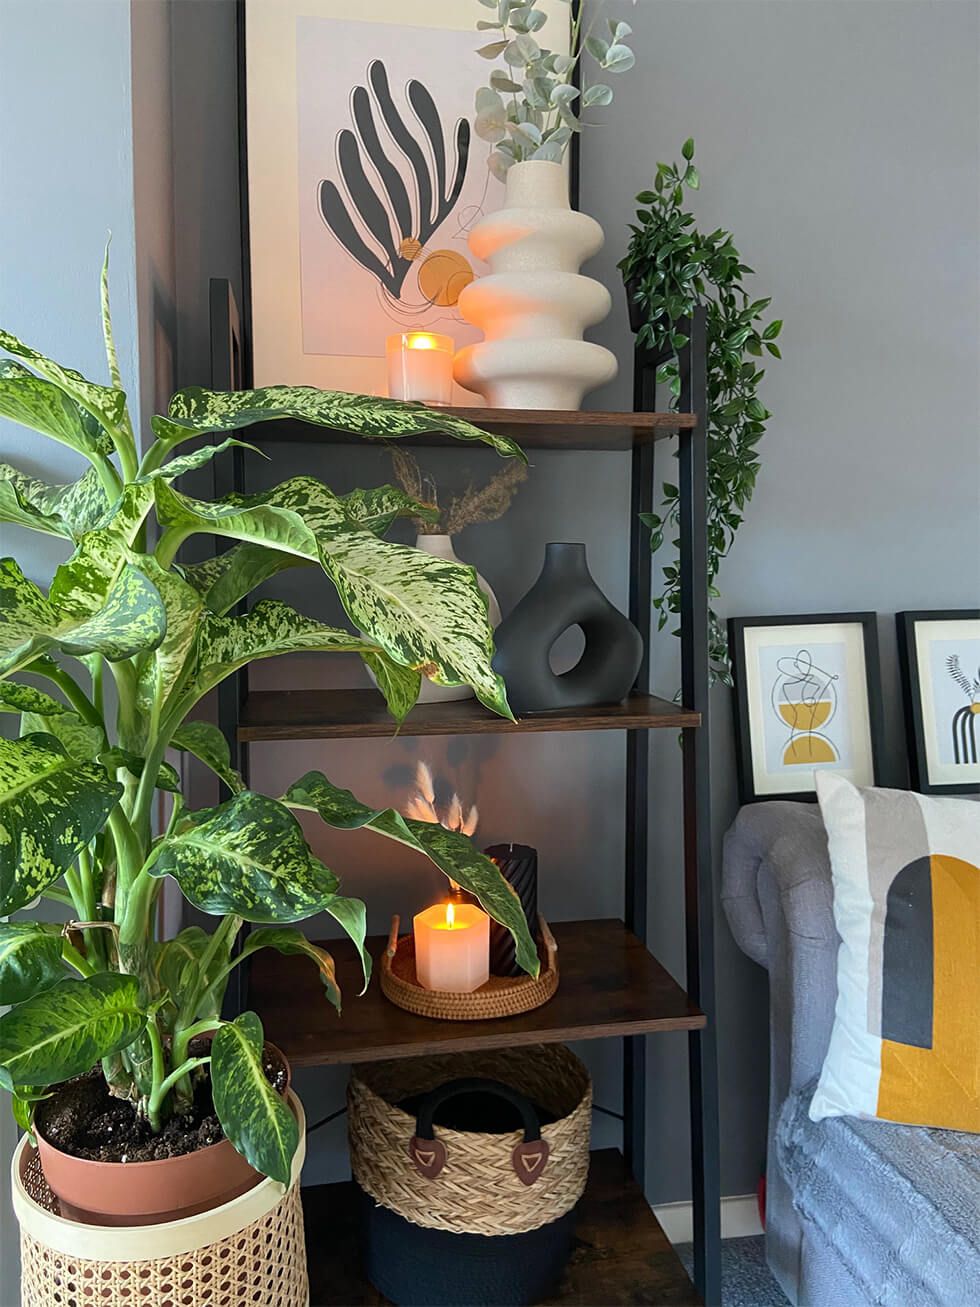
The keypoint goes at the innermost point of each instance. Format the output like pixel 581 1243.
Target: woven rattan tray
pixel 501 996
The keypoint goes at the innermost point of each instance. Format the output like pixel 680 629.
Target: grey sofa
pixel 858 1212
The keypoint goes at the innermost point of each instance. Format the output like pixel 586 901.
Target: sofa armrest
pixel 778 897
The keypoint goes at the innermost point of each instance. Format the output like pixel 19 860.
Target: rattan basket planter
pixel 250 1250
pixel 490 1220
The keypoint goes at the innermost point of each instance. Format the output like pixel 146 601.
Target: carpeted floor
pixel 746 1280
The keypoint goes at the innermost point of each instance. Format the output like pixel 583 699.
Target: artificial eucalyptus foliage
pixel 671 267
pixel 79 788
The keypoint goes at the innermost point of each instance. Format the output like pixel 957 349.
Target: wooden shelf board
pixel 531 428
pixel 351 714
pixel 609 986
pixel 621 1256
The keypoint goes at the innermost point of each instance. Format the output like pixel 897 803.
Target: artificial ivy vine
pixel 671 266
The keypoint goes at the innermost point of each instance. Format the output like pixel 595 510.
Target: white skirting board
pixel 739 1218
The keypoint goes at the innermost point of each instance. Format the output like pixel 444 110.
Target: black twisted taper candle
pixel 518 865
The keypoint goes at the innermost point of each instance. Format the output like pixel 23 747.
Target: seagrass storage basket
pixel 470 1167
pixel 248 1251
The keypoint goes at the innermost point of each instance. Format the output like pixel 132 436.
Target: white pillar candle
pixel 420 367
pixel 452 947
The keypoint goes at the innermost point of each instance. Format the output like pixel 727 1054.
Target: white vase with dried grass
pixel 476 504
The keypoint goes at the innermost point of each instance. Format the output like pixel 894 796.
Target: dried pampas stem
pixel 421 805
pixel 475 504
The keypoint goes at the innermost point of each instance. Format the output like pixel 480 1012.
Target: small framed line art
pixel 939 653
pixel 807 699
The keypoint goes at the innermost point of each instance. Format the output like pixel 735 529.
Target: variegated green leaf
pixel 207 743
pixel 426 613
pixel 171 660
pixel 253 1116
pixel 33 402
pixel 292 942
pixel 168 777
pixel 376 509
pixel 104 403
pixel 65 1030
pixel 178 967
pixel 451 852
pixel 399 685
pixel 64 510
pixel 81 740
pixel 352 915
pixel 99 601
pixel 30 960
pixel 225 579
pixel 270 629
pixel 191 462
pixel 15 697
pixel 195 410
pixel 249 857
pixel 50 808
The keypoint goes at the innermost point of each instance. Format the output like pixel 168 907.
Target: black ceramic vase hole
pixel 565 595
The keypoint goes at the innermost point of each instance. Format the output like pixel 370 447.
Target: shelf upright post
pixel 638 769
pixel 696 742
pixel 228 476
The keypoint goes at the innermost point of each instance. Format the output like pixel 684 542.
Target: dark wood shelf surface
pixel 352 714
pixel 621 1256
pixel 609 985
pixel 531 428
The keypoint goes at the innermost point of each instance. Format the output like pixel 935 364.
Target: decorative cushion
pixel 906 1039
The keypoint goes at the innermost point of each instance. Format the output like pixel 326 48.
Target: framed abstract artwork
pixel 807 699
pixel 939 653
pixel 364 178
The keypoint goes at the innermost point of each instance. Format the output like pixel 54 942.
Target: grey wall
pixel 84 84
pixel 839 142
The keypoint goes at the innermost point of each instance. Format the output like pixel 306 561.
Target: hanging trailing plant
pixel 670 267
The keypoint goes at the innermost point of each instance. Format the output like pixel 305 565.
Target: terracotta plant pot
pixel 148 1193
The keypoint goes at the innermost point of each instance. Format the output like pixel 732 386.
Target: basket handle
pixel 428 1153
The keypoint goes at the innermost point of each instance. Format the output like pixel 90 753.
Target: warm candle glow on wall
pixel 452 947
pixel 420 366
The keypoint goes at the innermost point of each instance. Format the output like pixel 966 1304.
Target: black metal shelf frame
pixel 228 372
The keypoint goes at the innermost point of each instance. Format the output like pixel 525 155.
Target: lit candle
pixel 452 947
pixel 420 366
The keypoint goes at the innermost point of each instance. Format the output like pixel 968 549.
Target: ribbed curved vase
pixel 534 305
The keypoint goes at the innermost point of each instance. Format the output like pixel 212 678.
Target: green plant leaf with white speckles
pixel 271 629
pixel 225 579
pixel 168 778
pixel 191 462
pixel 249 857
pixel 65 1030
pixel 451 852
pixel 64 510
pixel 82 741
pixel 105 404
pixel 15 697
pixel 207 743
pixel 168 664
pixel 291 942
pixel 99 601
pixel 195 410
pixel 38 404
pixel 50 808
pixel 30 960
pixel 425 613
pixel 254 1117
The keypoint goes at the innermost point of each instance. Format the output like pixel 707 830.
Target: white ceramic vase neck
pixel 534 305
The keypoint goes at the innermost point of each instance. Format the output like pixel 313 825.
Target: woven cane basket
pixel 477 1190
pixel 248 1251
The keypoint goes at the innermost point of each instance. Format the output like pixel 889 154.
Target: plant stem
pixel 222 938
pixel 182 1038
pixel 158 1073
pixel 159 1094
pixel 74 959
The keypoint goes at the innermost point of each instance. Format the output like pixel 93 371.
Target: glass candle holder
pixel 420 366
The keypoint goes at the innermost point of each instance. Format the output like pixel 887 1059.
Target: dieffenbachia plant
pixel 79 787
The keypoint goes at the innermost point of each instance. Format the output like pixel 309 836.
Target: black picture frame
pixel 737 626
pixel 915 726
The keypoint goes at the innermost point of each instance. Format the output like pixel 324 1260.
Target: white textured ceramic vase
pixel 534 304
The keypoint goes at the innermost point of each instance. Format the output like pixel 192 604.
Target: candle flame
pixel 450 916
pixel 421 340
